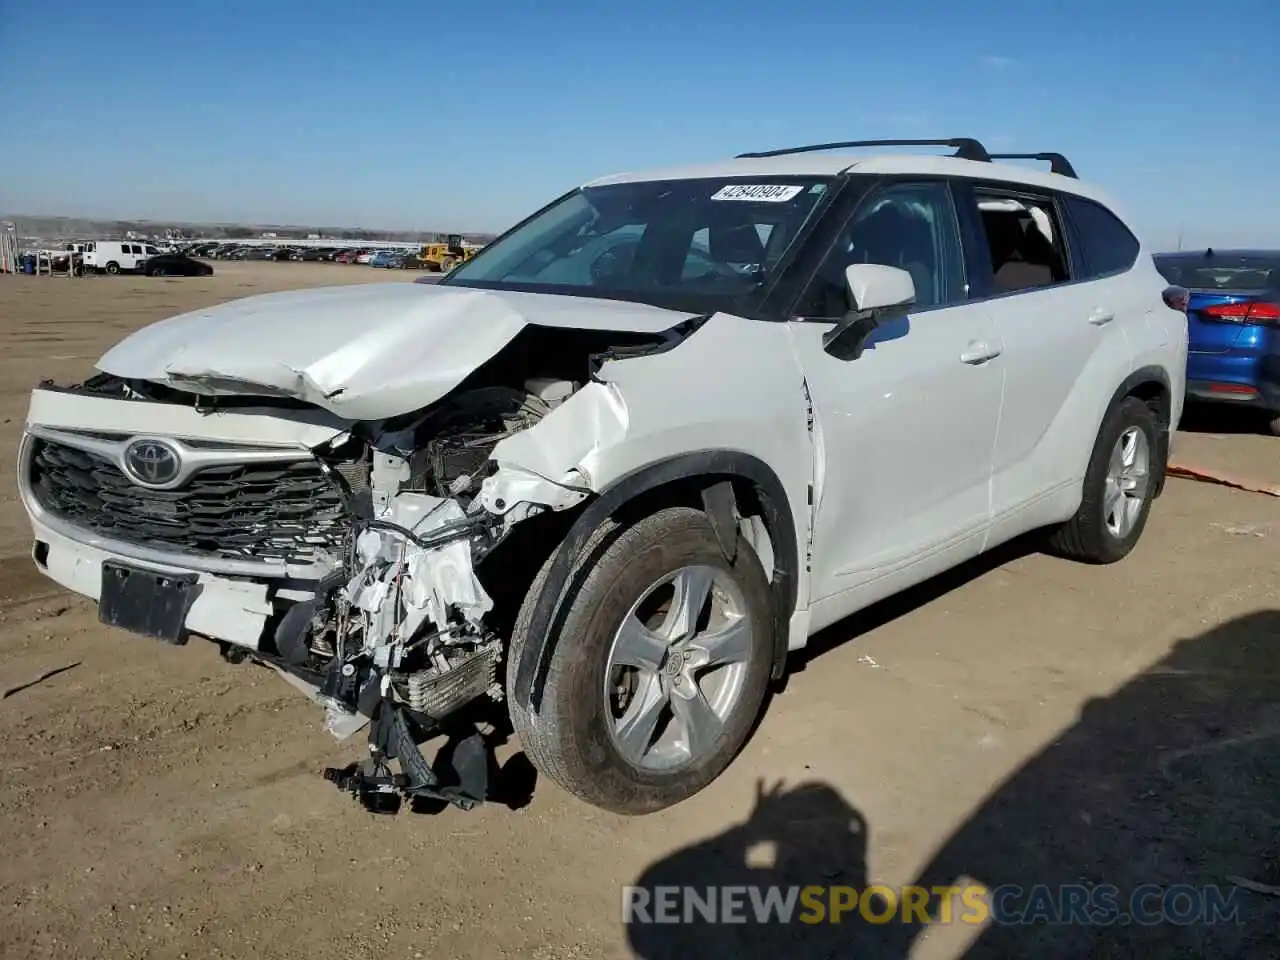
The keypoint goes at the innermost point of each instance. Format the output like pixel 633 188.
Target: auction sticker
pixel 758 192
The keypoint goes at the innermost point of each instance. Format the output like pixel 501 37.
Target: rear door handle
pixel 1100 317
pixel 979 352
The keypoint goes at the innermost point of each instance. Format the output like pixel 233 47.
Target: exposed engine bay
pixel 396 635
pixel 401 638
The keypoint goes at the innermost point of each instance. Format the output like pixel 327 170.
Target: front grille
pixel 272 512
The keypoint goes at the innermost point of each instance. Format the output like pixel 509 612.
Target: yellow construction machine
pixel 445 256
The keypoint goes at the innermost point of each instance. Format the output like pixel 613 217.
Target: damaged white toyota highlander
pixel 603 477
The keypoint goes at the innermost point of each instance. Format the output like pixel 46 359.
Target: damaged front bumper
pixel 315 547
pixel 86 511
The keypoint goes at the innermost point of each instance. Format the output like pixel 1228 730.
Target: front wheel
pixel 657 672
pixel 113 268
pixel 1119 486
pixel 1275 426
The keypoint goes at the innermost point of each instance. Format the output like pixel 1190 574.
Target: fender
pixel 548 612
pixel 1149 374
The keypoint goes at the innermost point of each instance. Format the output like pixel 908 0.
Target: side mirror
pixel 877 294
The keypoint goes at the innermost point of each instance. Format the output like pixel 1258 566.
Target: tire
pixel 1097 533
pixel 572 738
pixel 113 268
pixel 1274 426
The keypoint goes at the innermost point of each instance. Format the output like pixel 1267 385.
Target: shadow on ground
pixel 1224 418
pixel 1175 779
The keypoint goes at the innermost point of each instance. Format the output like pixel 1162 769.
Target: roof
pixel 829 165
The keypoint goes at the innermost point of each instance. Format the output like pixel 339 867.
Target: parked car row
pixel 128 256
pixel 440 256
pixel 83 258
pixel 400 258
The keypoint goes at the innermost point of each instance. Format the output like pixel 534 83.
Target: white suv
pixel 613 469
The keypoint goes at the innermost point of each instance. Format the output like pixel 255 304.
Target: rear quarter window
pixel 1107 245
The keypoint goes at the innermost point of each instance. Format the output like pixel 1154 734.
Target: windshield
pixel 1222 272
pixel 714 241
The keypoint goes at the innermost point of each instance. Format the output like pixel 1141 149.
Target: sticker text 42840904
pixel 758 192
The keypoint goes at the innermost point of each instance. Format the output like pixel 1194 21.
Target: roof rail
pixel 1057 162
pixel 966 147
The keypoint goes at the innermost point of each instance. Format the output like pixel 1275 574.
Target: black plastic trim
pixel 1057 162
pixel 979 270
pixel 967 148
pixel 531 670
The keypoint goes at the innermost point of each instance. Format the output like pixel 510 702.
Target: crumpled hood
pixel 363 352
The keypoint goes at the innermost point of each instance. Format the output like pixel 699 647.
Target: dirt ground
pixel 1025 720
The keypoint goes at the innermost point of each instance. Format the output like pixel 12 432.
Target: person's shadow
pixel 1172 780
pixel 802 836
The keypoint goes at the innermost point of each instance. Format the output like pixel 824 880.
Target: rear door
pixel 1064 338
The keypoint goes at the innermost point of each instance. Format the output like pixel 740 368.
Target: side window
pixel 152 251
pixel 1109 246
pixel 907 225
pixel 1025 239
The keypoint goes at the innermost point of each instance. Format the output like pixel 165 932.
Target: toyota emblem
pixel 152 463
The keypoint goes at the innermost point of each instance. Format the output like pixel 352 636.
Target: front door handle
pixel 978 353
pixel 1100 317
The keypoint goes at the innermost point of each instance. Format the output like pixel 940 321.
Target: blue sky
pixel 469 115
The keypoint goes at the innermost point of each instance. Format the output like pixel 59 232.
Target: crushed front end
pixel 341 554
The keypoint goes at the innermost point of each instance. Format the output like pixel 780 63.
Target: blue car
pixel 383 258
pixel 1233 325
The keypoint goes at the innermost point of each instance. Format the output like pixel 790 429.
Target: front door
pixel 904 433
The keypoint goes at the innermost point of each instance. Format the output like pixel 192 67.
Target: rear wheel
pixel 1119 486
pixel 113 267
pixel 1275 426
pixel 657 672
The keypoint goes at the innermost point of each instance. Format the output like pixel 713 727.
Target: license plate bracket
pixel 147 602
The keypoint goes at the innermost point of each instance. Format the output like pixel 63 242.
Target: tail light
pixel 1249 311
pixel 1177 298
pixel 1235 389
